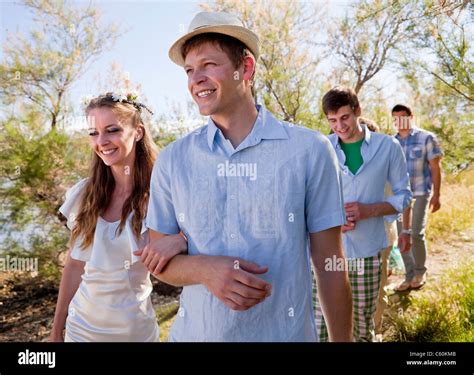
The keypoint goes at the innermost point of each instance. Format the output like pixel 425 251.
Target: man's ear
pixel 358 111
pixel 249 67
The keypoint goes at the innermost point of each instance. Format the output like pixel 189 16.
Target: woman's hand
pixel 156 255
pixel 56 336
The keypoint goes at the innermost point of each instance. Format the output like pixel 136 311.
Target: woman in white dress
pixel 105 289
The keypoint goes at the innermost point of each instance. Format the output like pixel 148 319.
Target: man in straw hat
pixel 246 189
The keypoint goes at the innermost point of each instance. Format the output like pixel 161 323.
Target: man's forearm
pixel 381 209
pixel 436 177
pixel 334 293
pixel 406 218
pixel 184 270
pixel 333 286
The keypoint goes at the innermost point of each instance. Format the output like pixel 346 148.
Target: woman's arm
pixel 164 248
pixel 70 280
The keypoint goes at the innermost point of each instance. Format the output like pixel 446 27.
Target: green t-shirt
pixel 353 155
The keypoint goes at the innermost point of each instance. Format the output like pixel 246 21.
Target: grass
pixel 444 313
pixel 457 200
pixel 165 315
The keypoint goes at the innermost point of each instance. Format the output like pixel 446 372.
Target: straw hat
pixel 215 22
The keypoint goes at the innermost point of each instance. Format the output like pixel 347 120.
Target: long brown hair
pixel 100 186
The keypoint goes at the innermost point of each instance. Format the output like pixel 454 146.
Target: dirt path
pixel 27 304
pixel 445 254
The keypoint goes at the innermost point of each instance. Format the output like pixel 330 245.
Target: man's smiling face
pixel 213 81
pixel 344 123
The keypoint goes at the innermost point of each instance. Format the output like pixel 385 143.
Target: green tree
pixel 438 66
pixel 38 157
pixel 286 80
pixel 41 69
pixel 366 39
pixel 445 38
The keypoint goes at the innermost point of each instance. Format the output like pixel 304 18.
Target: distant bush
pixel 457 200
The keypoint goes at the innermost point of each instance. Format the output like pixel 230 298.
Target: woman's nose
pixel 102 139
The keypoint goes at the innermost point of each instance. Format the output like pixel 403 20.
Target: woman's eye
pixel 92 134
pixel 114 130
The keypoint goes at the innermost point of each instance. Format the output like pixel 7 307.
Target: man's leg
pixel 381 300
pixel 419 221
pixel 365 289
pixel 364 277
pixel 418 227
pixel 408 259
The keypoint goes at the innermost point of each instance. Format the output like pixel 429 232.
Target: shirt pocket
pixel 200 205
pixel 263 210
pixel 416 152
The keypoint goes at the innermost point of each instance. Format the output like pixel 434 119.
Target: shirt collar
pixel 413 131
pixel 367 137
pixel 266 126
pixel 367 134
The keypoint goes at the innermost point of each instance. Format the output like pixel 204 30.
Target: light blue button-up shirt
pixel 257 202
pixel 383 161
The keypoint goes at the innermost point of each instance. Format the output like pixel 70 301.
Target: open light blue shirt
pixel 257 202
pixel 384 161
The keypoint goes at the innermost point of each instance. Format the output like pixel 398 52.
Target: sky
pixel 142 51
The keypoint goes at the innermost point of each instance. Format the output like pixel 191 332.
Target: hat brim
pixel 246 36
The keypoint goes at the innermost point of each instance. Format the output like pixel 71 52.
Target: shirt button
pixel 232 235
pixel 232 196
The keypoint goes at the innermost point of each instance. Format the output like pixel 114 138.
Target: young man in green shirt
pixel 368 161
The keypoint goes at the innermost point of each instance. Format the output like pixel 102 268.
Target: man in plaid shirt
pixel 423 156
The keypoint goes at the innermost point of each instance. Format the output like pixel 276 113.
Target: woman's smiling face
pixel 112 139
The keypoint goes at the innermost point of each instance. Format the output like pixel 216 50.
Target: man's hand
pixel 233 281
pixel 404 242
pixel 156 255
pixel 435 203
pixel 435 167
pixel 350 225
pixel 356 211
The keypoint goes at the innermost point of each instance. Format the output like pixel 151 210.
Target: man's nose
pixel 196 77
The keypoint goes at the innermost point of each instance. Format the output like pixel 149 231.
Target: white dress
pixel 113 300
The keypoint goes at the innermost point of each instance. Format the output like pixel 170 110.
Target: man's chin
pixel 206 111
pixel 343 137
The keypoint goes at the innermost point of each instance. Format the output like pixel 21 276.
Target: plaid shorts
pixel 364 278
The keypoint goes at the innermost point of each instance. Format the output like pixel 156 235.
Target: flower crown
pixel 130 98
pixel 122 97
